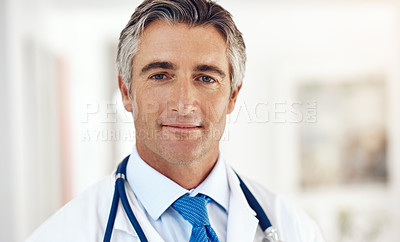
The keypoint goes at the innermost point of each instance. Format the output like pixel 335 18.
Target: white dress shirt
pixel 156 193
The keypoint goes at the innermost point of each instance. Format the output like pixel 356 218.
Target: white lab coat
pixel 85 218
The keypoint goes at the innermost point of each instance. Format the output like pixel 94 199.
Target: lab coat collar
pixel 240 210
pixel 122 221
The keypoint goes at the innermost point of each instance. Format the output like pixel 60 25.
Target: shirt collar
pixel 149 186
pixel 216 185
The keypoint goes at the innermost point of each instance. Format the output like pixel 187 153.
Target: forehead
pixel 180 42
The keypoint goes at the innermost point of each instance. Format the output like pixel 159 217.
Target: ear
pixel 126 100
pixel 232 99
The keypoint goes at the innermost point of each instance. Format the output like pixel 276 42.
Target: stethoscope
pixel 270 232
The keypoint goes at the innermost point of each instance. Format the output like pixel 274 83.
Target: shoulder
pixel 82 219
pixel 292 223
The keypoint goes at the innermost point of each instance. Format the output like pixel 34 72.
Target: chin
pixel 183 154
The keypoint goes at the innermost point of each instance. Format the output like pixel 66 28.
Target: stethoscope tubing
pixel 119 192
pixel 113 214
pixel 263 220
pixel 128 210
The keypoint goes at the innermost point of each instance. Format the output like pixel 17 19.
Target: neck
pixel 186 174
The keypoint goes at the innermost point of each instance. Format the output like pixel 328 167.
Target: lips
pixel 182 126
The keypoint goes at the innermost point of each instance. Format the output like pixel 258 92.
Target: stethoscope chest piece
pixel 271 235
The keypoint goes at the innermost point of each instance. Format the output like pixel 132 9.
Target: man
pixel 181 65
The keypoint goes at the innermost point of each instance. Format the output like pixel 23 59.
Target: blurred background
pixel 317 120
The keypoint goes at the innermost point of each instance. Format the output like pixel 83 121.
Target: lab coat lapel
pixel 122 221
pixel 242 223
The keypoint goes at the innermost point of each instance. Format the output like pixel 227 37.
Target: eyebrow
pixel 158 65
pixel 210 68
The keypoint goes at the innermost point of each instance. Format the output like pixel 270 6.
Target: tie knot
pixel 193 209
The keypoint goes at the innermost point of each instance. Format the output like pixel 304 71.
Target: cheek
pixel 146 107
pixel 215 110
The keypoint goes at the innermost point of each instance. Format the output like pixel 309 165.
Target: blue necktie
pixel 193 209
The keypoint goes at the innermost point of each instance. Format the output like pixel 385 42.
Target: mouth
pixel 182 127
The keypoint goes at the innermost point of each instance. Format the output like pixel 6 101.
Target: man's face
pixel 180 92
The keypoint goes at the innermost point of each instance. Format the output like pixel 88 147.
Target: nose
pixel 183 100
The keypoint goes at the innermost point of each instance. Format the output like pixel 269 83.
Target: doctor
pixel 181 65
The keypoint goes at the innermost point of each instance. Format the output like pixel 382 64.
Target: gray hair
pixel 191 12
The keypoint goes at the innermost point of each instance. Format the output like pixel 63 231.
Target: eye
pixel 207 79
pixel 158 76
